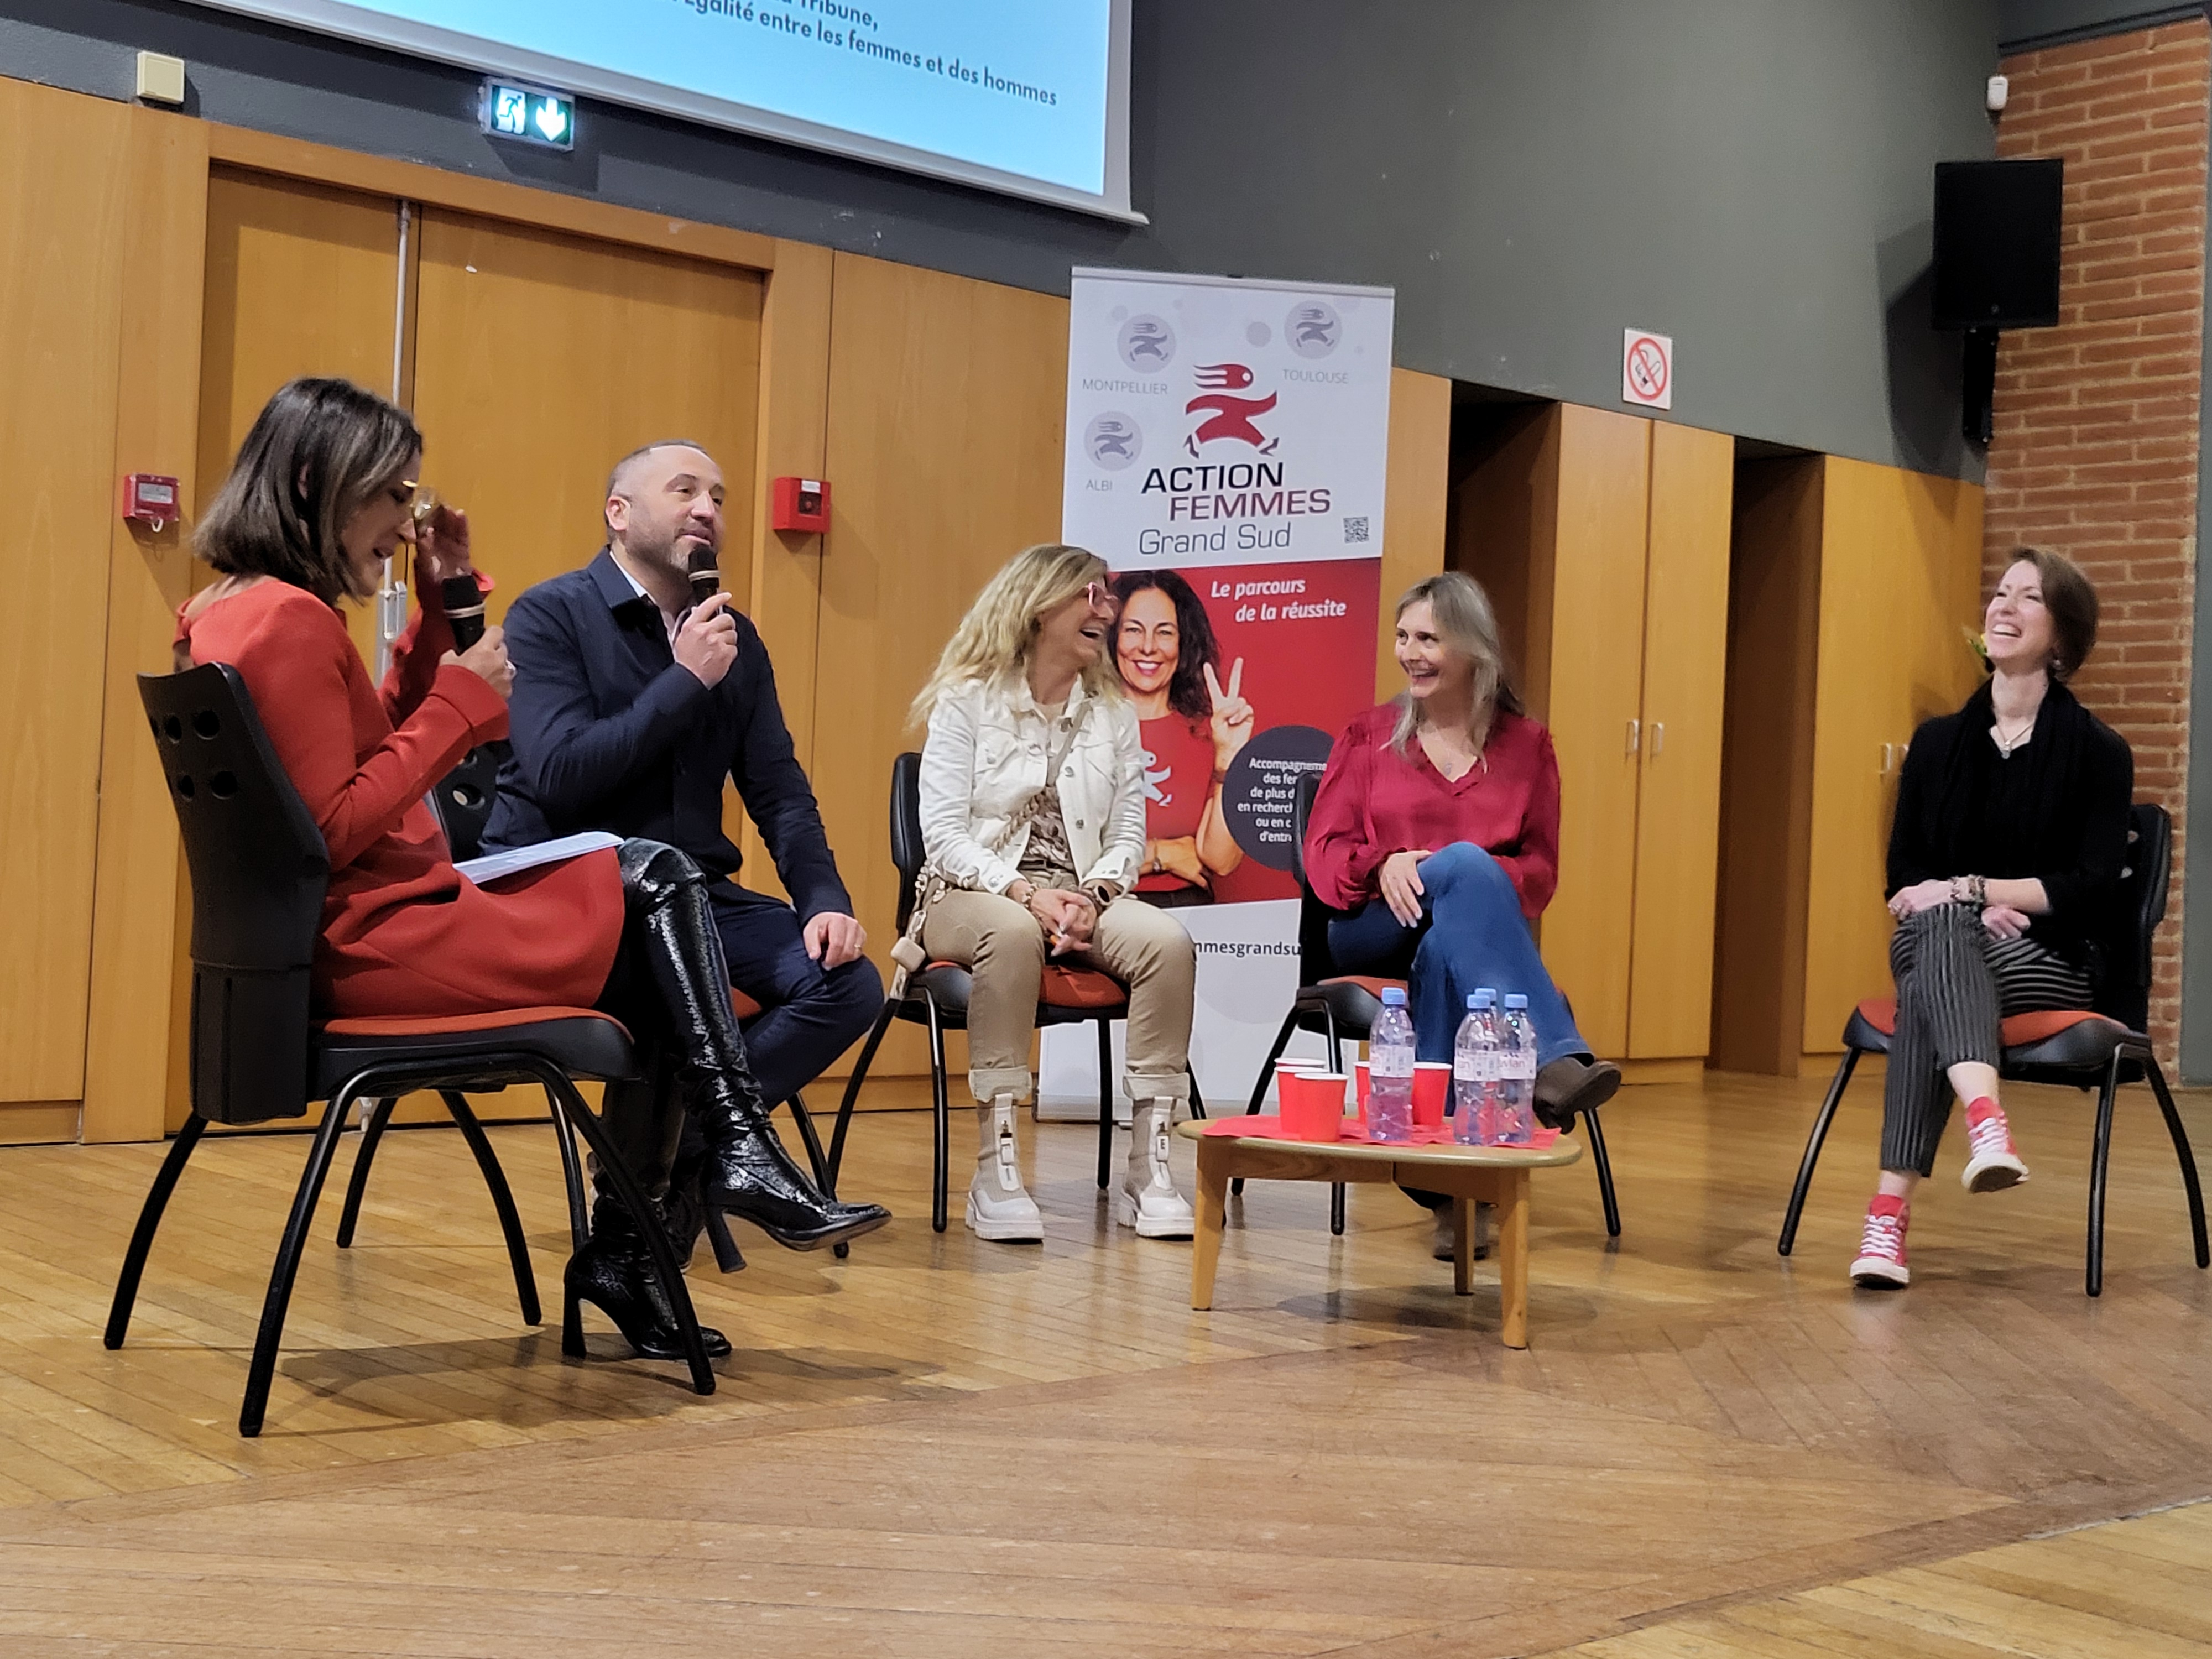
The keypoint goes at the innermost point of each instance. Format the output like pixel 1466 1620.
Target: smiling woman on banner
pixel 1192 722
pixel 1435 834
pixel 1033 819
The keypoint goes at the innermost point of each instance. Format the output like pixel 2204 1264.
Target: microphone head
pixel 705 575
pixel 465 610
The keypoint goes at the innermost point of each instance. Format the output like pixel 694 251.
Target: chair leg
pixel 853 1093
pixel 263 1370
pixel 150 1223
pixel 1267 1066
pixel 1336 1187
pixel 372 1137
pixel 502 1200
pixel 632 1198
pixel 572 1173
pixel 2101 1157
pixel 1604 1175
pixel 939 1087
pixel 1836 1087
pixel 1197 1099
pixel 1105 1101
pixel 2181 1150
pixel 815 1164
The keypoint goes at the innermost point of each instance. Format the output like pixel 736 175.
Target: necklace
pixel 2006 745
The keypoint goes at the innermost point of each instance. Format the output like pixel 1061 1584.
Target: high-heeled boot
pixel 745 1172
pixel 998 1207
pixel 614 1273
pixel 1146 1199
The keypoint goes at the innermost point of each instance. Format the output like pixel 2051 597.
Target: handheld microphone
pixel 706 577
pixel 465 610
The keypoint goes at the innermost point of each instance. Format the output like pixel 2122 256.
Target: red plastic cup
pixel 1432 1081
pixel 1360 1078
pixel 1313 1105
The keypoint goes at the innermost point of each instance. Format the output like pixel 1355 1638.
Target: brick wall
pixel 2095 448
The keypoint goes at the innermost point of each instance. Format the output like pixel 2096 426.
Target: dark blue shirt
pixel 611 733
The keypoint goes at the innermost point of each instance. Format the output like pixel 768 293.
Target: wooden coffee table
pixel 1472 1174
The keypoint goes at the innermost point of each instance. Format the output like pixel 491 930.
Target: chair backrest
pixel 463 798
pixel 1315 962
pixel 906 851
pixel 2126 996
pixel 258 873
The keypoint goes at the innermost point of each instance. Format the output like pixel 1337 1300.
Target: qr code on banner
pixel 1355 530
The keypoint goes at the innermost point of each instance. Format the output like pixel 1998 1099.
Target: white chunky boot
pixel 998 1207
pixel 1146 1198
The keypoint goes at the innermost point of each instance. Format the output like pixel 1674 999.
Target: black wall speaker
pixel 1996 244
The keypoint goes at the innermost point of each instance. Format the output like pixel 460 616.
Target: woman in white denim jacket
pixel 1033 819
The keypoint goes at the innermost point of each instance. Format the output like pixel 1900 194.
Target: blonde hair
pixel 994 638
pixel 1469 629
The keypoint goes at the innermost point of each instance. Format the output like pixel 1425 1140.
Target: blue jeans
pixel 1471 934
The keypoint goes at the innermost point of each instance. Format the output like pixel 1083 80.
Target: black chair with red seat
pixel 2099 1049
pixel 1342 1008
pixel 936 998
pixel 258 872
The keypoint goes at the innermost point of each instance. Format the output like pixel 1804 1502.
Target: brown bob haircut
pixel 318 450
pixel 2071 600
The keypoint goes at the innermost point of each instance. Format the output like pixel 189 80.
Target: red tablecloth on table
pixel 1355 1129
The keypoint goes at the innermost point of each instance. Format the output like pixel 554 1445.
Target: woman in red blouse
pixel 1435 834
pixel 322 493
pixel 1192 721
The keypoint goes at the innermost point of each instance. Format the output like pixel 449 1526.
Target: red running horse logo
pixel 1230 417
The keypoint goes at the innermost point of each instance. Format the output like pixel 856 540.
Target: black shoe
pixel 614 1273
pixel 747 1173
pixel 1569 1085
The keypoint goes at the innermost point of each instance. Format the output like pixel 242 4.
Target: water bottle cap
pixel 1515 1000
pixel 1393 998
pixel 1481 998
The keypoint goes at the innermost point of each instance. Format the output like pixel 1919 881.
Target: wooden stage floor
pixel 944 1447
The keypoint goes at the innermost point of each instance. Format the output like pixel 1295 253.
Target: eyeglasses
pixel 424 506
pixel 1101 598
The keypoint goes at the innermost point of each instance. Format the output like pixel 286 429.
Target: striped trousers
pixel 1955 980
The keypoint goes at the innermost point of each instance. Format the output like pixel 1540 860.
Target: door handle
pixel 1888 753
pixel 1635 730
pixel 1658 737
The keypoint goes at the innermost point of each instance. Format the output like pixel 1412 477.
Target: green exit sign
pixel 532 115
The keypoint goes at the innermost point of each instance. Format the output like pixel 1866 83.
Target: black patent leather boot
pixel 745 1171
pixel 614 1273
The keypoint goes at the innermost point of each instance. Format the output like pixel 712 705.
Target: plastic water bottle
pixel 1516 1099
pixel 1390 1071
pixel 1474 1070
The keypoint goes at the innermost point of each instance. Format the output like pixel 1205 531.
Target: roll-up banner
pixel 1227 447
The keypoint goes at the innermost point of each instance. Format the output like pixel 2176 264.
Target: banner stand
pixel 1228 446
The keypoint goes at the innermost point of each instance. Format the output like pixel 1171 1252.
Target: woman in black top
pixel 2004 866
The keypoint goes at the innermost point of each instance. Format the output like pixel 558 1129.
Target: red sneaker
pixel 1992 1163
pixel 1881 1265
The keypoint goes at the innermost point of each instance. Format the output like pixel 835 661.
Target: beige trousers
pixel 1003 945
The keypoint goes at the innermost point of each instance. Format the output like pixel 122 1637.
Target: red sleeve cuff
pixel 483 708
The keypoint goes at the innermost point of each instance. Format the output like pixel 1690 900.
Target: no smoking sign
pixel 1647 368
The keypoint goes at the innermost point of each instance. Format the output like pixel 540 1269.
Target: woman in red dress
pixel 1192 721
pixel 322 493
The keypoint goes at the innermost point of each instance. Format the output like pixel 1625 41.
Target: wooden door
pixel 1679 793
pixel 947 400
pixel 1593 707
pixel 1898 579
pixel 301 279
pixel 542 359
pixel 62 188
